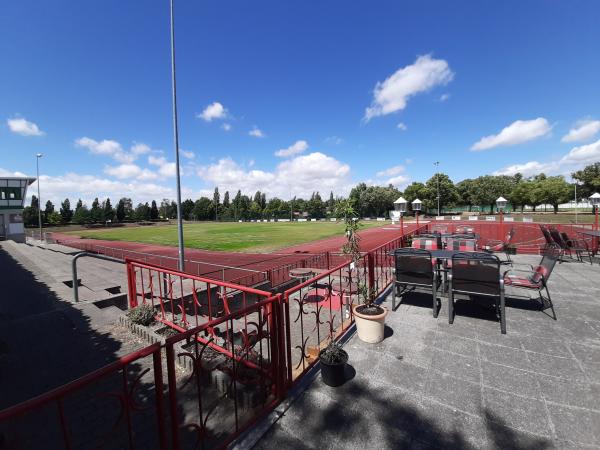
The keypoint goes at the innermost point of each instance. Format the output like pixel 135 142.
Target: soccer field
pixel 236 237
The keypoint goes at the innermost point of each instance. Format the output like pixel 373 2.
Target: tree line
pixel 368 201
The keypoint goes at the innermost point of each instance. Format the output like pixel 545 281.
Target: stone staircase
pixel 100 281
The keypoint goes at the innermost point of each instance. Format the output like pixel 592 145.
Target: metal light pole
pixel 416 206
pixel 176 141
pixel 37 165
pixel 437 177
pixel 576 203
pixel 501 204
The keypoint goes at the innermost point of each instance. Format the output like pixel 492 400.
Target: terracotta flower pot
pixel 370 327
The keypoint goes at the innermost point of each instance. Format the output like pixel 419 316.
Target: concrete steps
pixel 99 280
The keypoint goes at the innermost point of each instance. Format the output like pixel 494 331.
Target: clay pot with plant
pixel 369 317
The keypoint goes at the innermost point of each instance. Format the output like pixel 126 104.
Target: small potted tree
pixel 333 360
pixel 369 317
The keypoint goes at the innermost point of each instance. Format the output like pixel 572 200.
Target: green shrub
pixel 142 315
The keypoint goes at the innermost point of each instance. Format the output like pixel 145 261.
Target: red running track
pixel 260 266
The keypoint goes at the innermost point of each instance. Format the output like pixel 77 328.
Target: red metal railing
pixel 527 238
pixel 235 379
pixel 183 300
pixel 117 406
pixel 320 309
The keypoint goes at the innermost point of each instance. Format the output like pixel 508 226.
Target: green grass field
pixel 236 237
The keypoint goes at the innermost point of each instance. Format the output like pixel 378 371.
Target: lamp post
pixel 176 141
pixel 437 179
pixel 576 203
pixel 37 165
pixel 416 206
pixel 400 206
pixel 595 201
pixel 501 204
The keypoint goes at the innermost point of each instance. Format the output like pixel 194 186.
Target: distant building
pixel 13 191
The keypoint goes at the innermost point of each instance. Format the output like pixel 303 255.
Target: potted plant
pixel 333 360
pixel 369 317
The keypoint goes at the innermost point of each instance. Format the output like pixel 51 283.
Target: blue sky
pixel 351 91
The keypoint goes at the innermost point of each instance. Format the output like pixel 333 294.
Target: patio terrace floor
pixel 430 384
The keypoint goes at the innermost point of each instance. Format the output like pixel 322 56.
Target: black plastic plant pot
pixel 333 374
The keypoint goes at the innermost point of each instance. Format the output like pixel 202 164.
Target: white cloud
pixel 8 173
pixel 140 149
pixel 583 131
pixel 157 160
pixel 88 187
pixel 299 176
pixel 517 132
pixel 231 176
pixel 226 126
pixel 113 149
pixel 584 154
pixel 527 169
pixel 393 175
pixel 294 149
pixel 123 171
pixel 395 170
pixel 402 126
pixel 187 154
pixel 335 140
pixel 23 127
pixel 399 181
pixel 444 97
pixel 256 132
pixel 165 168
pixel 577 158
pixel 213 111
pixel 392 94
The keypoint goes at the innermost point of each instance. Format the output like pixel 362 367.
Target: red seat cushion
pixel 521 281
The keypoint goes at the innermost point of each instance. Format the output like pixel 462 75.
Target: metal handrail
pixel 74 269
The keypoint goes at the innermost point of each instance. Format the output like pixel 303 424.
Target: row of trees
pixel 240 207
pixel 369 201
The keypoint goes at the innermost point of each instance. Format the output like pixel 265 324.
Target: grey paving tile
pixel 317 420
pixel 399 373
pixel 454 392
pixel 446 428
pixel 456 365
pixel 545 346
pixel 277 437
pixel 509 379
pixel 503 437
pixel 567 392
pixel 586 353
pixel 555 366
pixel 507 356
pixel 456 344
pixel 576 425
pixel 514 411
pixel 592 371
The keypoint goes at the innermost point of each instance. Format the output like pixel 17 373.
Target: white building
pixel 13 191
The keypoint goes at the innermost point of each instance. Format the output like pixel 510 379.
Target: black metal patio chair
pixel 577 245
pixel 496 246
pixel 536 278
pixel 477 274
pixel 415 270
